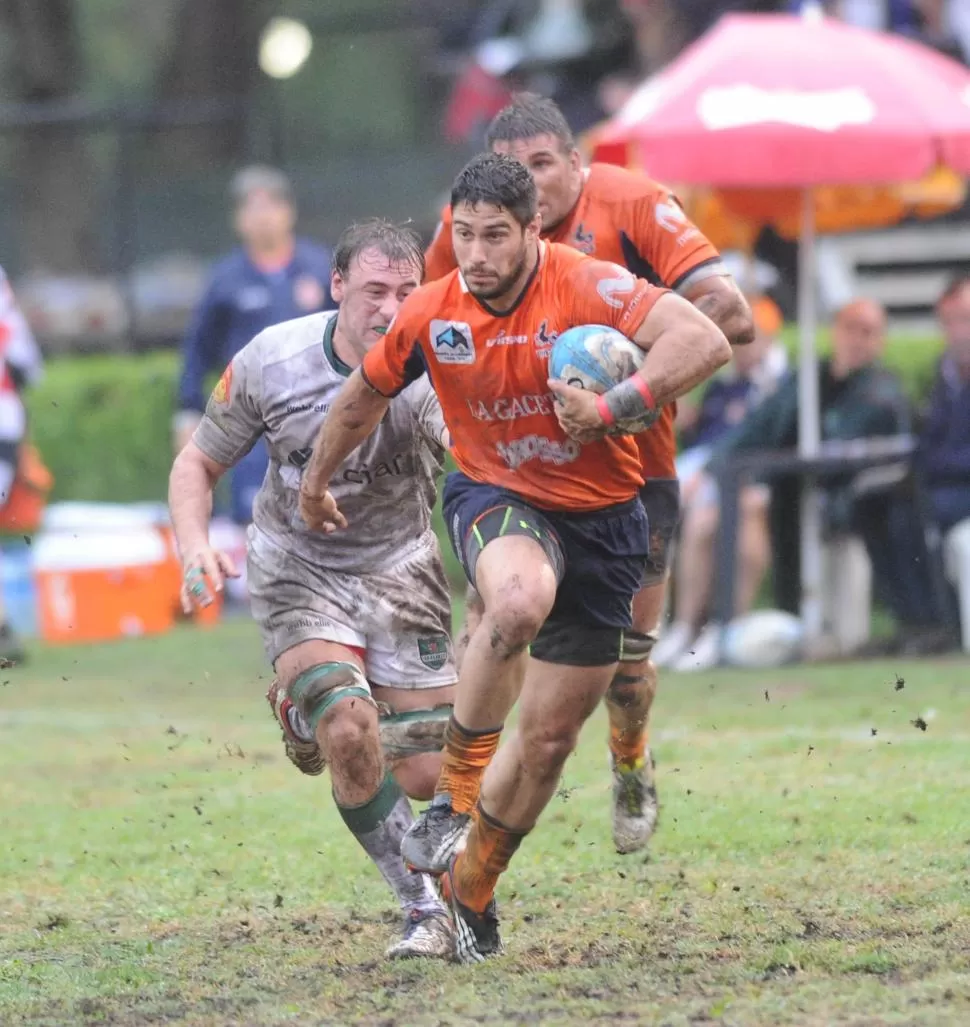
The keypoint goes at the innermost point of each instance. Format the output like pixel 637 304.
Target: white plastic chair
pixel 956 562
pixel 847 596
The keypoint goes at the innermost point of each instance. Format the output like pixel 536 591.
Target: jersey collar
pixel 343 369
pixel 541 259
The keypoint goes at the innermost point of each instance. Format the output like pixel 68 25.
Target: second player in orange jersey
pixel 627 218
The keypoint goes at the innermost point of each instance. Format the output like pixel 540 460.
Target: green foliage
pixel 102 425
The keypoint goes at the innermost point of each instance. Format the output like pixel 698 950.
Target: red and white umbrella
pixel 782 100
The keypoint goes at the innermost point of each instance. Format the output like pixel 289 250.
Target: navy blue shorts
pixel 661 500
pixel 600 557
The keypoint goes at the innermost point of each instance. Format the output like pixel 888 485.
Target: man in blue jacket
pixel 271 277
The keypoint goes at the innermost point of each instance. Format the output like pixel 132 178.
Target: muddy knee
pixel 519 613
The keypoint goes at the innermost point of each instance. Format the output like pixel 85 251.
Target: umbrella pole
pixel 808 427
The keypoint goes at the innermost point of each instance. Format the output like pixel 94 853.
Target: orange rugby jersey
pixel 627 218
pixel 490 372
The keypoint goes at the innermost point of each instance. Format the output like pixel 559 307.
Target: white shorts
pixel 398 617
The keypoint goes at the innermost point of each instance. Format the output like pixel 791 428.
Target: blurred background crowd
pixel 141 143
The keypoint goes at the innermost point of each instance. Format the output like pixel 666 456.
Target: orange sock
pixel 628 742
pixel 466 755
pixel 628 745
pixel 485 858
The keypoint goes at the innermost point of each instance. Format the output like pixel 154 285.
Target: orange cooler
pixel 98 585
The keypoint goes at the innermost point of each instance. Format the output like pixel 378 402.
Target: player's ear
pixel 534 228
pixel 575 159
pixel 336 287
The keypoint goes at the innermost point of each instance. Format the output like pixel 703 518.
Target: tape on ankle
pixel 369 816
pixel 319 687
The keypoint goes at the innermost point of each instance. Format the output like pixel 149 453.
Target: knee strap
pixel 413 732
pixel 637 646
pixel 319 687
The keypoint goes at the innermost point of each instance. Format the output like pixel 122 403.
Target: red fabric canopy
pixel 780 100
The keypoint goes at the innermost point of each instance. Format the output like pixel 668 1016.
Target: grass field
pixel 161 862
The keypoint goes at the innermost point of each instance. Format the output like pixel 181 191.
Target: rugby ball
pixel 763 638
pixel 597 357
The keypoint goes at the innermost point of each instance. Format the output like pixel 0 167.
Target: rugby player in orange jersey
pixel 625 217
pixel 543 511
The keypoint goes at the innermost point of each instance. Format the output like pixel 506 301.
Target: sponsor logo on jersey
pixel 300 457
pixel 670 216
pixel 433 651
pixel 503 339
pixel 609 288
pixel 223 390
pixel 452 342
pixel 300 408
pixel 511 408
pixel 399 465
pixel 394 468
pixel 584 241
pixel 536 447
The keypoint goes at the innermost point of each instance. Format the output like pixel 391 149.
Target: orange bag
pixel 32 483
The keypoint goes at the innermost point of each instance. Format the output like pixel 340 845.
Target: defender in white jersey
pixel 355 620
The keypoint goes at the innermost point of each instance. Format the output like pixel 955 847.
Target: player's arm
pixel 190 487
pixel 689 264
pixel 683 347
pixel 354 415
pixel 387 369
pixel 720 299
pixel 228 429
pixel 431 418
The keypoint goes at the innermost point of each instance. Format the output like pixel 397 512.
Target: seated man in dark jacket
pixel 944 453
pixel 859 398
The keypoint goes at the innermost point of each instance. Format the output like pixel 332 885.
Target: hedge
pixel 103 423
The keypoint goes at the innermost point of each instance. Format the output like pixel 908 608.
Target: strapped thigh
pixel 511 519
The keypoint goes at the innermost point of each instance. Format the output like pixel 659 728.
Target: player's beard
pixel 504 284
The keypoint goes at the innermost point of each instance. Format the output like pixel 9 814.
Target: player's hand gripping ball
pixel 595 358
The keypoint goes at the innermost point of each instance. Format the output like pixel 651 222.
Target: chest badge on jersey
pixel 584 241
pixel 544 338
pixel 452 342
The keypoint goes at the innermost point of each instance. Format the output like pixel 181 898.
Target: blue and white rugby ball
pixel 597 357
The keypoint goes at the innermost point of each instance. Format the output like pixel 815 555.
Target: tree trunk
pixel 212 56
pixel 55 172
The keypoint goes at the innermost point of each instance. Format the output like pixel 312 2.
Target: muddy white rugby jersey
pixel 281 386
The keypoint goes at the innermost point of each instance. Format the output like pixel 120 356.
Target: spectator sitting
pixel 686 644
pixel 271 277
pixel 944 453
pixel 859 398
